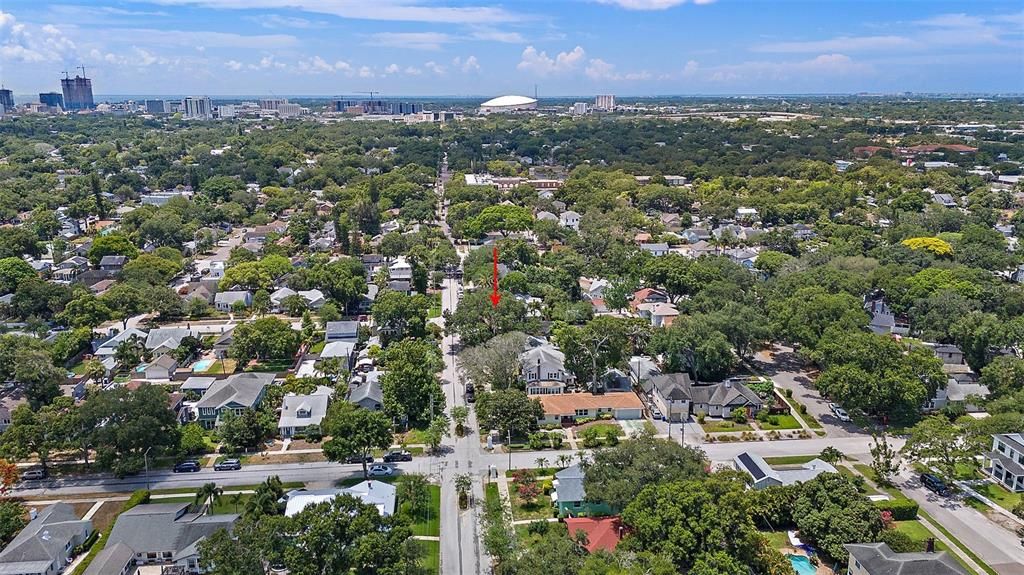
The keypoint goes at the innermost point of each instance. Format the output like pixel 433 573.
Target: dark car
pixel 358 459
pixel 933 483
pixel 397 455
pixel 228 465
pixel 187 467
pixel 470 393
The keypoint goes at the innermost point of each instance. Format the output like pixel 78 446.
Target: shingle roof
pixel 112 559
pixel 570 484
pixel 45 537
pixel 568 403
pixel 167 337
pixel 241 388
pixel 165 526
pixel 291 405
pixel 338 349
pixel 879 559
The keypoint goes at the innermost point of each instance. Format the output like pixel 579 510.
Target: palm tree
pixel 564 460
pixel 236 499
pixel 208 493
pixel 542 462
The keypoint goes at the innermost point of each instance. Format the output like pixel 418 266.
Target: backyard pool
pixel 802 565
pixel 202 365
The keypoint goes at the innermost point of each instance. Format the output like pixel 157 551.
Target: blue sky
pixel 565 47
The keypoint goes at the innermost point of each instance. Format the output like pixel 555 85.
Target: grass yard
pixel 789 459
pixel 431 559
pixel 919 533
pixel 777 539
pixel 782 422
pixel 222 366
pixel 541 471
pixel 602 428
pixel 718 426
pixel 227 503
pixel 270 366
pixel 539 509
pixel 106 514
pixel 527 539
pixel 257 459
pixel 999 495
pixel 491 493
pixel 430 525
pixel 411 437
pixel 806 415
pixel 191 490
pixel 434 311
pixel 318 347
pixel 865 488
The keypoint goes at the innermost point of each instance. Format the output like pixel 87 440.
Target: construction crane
pixel 371 93
pixel 66 75
pixel 82 68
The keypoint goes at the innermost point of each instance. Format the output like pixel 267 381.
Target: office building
pixel 52 99
pixel 6 99
pixel 377 107
pixel 226 111
pixel 272 104
pixel 605 102
pixel 580 109
pixel 197 108
pixel 77 93
pixel 287 110
pixel 157 107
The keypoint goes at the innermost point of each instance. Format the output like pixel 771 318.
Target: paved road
pixel 1000 548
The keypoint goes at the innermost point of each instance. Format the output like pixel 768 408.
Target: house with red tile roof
pixel 602 532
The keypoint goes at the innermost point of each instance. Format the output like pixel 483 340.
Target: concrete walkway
pixel 92 510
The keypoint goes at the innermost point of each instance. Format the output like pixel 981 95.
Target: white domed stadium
pixel 503 104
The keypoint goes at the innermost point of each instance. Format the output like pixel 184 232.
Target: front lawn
pixel 275 366
pixel 431 559
pixel 999 495
pixel 805 415
pixel 780 422
pixel 318 347
pixel 430 523
pixel 789 459
pixel 539 509
pixel 228 505
pixel 721 425
pixel 777 539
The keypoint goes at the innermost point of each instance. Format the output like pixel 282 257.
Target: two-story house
pixel 543 370
pixel 237 393
pixel 45 544
pixel 678 397
pixel 167 534
pixel 298 412
pixel 569 219
pixel 1005 463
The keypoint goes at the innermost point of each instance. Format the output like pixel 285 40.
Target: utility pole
pixel 145 458
pixel 509 446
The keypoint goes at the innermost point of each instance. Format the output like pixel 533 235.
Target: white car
pixel 832 407
pixel 379 471
pixel 842 415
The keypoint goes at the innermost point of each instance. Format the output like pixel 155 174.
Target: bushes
pixel 739 415
pixel 557 439
pixel 901 509
pixel 538 527
pixel 605 416
pixel 591 437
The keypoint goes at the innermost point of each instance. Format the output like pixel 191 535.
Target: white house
pixel 377 493
pixel 569 219
pixel 656 250
pixel 543 370
pixel 1005 463
pixel 400 269
pixel 765 475
pixel 225 300
pixel 298 412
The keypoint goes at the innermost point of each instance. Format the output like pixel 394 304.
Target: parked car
pixel 832 407
pixel 841 414
pixel 380 471
pixel 470 393
pixel 228 465
pixel 397 455
pixel 187 467
pixel 34 474
pixel 358 459
pixel 933 483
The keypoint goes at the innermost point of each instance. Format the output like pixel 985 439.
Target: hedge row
pixel 901 509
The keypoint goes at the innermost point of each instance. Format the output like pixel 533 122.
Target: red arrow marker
pixel 495 296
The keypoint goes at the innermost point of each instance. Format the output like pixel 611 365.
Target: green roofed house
pixel 570 497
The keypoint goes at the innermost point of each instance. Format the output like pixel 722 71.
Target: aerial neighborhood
pixel 312 335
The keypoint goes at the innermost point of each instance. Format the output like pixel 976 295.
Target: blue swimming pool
pixel 202 365
pixel 802 565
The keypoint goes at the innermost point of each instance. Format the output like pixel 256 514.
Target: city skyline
pixel 408 48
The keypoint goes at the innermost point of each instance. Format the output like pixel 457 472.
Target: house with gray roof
pixel 109 347
pixel 112 263
pixel 45 544
pixel 367 394
pixel 226 300
pixel 678 397
pixel 765 475
pixel 165 339
pixel 569 496
pixel 1005 463
pixel 116 559
pixel 543 370
pixel 237 393
pixel 879 559
pixel 341 331
pixel 167 533
pixel 300 411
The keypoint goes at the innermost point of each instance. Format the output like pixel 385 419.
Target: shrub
pixel 538 527
pixel 789 393
pixel 802 409
pixel 701 416
pixel 605 416
pixel 556 440
pixel 901 509
pixel 611 437
pixel 591 437
pixel 900 542
pixel 583 420
pixel 314 434
pixel 739 415
pixel 537 441
pixel 1018 509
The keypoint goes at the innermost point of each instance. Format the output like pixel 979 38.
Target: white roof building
pixel 377 493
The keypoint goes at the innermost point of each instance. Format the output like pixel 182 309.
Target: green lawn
pixel 999 495
pixel 226 504
pixel 413 436
pixel 866 489
pixel 431 559
pixel 433 312
pixel 603 429
pixel 430 524
pixel 807 417
pixel 918 532
pixel 270 366
pixel 724 425
pixel 318 347
pixel 491 493
pixel 789 459
pixel 539 509
pixel 191 490
pixel 777 539
pixel 784 422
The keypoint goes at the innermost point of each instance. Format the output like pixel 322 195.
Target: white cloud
pixel 392 69
pixel 833 65
pixel 365 72
pixel 690 68
pixel 30 43
pixel 471 65
pixel 233 65
pixel 344 67
pixel 410 40
pixel 201 40
pixel 650 4
pixel 494 35
pixel 845 43
pixel 394 10
pixel 541 64
pixel 598 69
pixel 413 71
pixel 435 68
pixel 278 21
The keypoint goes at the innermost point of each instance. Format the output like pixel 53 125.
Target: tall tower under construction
pixel 77 93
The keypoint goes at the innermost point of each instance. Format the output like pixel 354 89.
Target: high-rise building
pixel 272 104
pixel 378 107
pixel 77 93
pixel 287 110
pixel 157 107
pixel 52 99
pixel 197 108
pixel 580 109
pixel 605 102
pixel 226 111
pixel 6 99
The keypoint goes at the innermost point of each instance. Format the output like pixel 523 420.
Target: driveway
pixel 788 371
